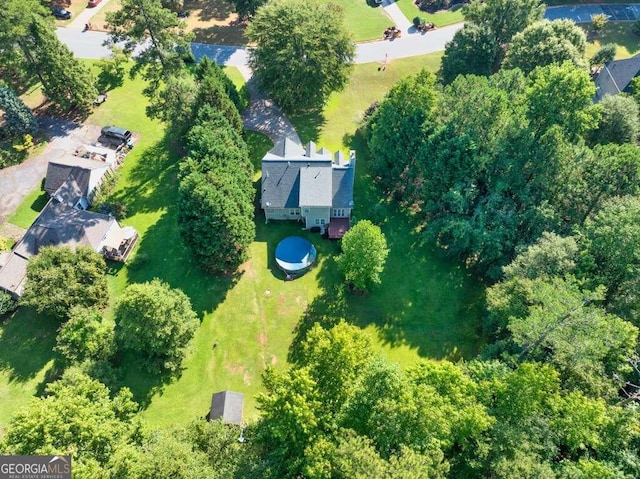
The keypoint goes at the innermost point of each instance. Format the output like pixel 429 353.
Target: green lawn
pixel 425 306
pixel 614 32
pixel 26 344
pixel 364 21
pixel 29 209
pixel 440 19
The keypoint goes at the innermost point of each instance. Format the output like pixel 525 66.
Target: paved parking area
pixel 18 181
pixel 583 13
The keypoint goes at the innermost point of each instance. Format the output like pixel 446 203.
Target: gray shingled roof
pixel 293 176
pixel 62 225
pixel 59 170
pixel 315 184
pixel 227 405
pixel 343 187
pixel 616 76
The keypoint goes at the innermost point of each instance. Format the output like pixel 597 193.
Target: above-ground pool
pixel 295 255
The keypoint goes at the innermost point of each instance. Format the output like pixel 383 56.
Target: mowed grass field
pixel 619 33
pixel 425 307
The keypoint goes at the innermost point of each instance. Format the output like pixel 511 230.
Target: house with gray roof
pixel 309 185
pixel 87 175
pixel 227 406
pixel 64 221
pixel 616 76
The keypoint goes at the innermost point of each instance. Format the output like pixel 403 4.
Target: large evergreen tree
pixel 18 118
pixel 30 51
pixel 161 43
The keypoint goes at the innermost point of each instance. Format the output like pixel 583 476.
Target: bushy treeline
pixel 343 411
pixel 215 205
pixel 491 163
pixel 151 320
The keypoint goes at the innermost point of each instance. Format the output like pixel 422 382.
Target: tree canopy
pixel 30 51
pixel 303 52
pixel 619 120
pixel 364 253
pixel 156 322
pixel 473 50
pixel 18 118
pixel 504 17
pixel 215 202
pixel 77 417
pixel 59 278
pixel 161 43
pixel 544 43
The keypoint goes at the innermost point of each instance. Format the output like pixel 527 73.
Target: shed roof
pixel 227 405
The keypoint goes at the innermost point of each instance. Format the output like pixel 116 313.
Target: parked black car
pixel 116 133
pixel 60 12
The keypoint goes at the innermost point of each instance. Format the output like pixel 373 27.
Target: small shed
pixel 227 405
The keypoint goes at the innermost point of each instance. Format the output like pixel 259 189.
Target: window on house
pixel 294 211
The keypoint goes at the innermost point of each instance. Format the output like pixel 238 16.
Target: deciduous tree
pixel 611 241
pixel 364 253
pixel 619 120
pixel 303 52
pixel 156 322
pixel 78 416
pixel 504 17
pixel 544 43
pixel 473 50
pixel 86 335
pixel 59 278
pixel 605 53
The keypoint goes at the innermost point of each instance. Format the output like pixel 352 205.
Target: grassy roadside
pixel 439 19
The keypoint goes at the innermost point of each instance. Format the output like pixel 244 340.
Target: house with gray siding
pixel 310 185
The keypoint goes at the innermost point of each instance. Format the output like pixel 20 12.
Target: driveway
pixel 18 181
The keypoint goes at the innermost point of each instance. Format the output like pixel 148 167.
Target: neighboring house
pixel 227 406
pixel 615 77
pixel 309 185
pixel 64 222
pixel 85 174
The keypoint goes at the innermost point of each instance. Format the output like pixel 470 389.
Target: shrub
pixel 7 303
pixel 636 27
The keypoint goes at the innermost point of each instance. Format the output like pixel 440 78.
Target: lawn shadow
pixel 143 384
pixel 232 35
pixel 425 302
pixel 210 10
pixel 26 343
pixel 308 124
pixel 153 187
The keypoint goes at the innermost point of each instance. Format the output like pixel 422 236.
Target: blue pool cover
pixel 295 255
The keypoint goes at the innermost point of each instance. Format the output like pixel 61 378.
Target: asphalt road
pixel 91 44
